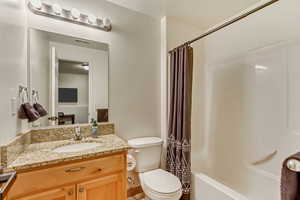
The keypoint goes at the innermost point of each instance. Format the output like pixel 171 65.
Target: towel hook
pixel 35 96
pixel 23 93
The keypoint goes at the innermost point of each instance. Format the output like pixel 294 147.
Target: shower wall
pixel 251 110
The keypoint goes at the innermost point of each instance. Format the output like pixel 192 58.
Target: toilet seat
pixel 161 185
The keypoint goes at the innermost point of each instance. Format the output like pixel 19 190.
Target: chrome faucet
pixel 77 135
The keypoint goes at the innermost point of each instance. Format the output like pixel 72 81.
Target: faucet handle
pixel 78 135
pixel 77 130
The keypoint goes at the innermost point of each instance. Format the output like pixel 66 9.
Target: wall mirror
pixel 68 77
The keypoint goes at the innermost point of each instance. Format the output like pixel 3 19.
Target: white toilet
pixel 157 184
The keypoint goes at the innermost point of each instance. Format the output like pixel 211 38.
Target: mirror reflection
pixel 70 76
pixel 73 92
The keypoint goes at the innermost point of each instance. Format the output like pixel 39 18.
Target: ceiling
pixel 201 13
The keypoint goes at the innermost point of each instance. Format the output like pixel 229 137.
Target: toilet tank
pixel 147 152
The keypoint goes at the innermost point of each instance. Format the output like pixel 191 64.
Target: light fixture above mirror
pixel 37 4
pixel 71 15
pixel 86 66
pixel 92 19
pixel 75 13
pixel 57 9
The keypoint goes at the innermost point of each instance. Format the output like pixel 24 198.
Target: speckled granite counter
pixel 41 154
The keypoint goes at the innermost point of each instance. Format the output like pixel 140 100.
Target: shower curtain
pixel 179 128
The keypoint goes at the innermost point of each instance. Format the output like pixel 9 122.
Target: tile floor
pixel 139 196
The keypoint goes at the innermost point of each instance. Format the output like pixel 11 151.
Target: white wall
pixel 80 109
pixel 134 64
pixel 13 66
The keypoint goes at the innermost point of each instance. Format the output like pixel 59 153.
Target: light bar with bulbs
pixel 70 15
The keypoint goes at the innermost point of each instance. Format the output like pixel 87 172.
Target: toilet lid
pixel 145 142
pixel 161 181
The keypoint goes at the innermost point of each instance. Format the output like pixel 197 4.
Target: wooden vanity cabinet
pixel 109 187
pixel 63 193
pixel 104 178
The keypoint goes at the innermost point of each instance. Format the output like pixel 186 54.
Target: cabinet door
pixel 106 188
pixel 64 193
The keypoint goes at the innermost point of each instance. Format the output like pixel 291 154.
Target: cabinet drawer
pixel 65 174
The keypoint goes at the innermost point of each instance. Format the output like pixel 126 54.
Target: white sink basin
pixel 77 147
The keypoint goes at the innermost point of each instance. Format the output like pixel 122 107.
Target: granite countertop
pixel 41 154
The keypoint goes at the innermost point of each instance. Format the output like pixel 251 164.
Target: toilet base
pixel 152 195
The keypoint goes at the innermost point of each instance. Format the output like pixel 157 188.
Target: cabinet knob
pixel 81 189
pixel 70 193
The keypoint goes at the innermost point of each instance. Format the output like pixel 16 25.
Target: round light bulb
pixel 75 13
pixel 86 67
pixel 37 4
pixel 92 19
pixel 57 9
pixel 106 22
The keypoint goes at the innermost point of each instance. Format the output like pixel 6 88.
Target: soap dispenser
pixel 94 128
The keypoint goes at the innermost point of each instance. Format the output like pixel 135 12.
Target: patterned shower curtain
pixel 179 128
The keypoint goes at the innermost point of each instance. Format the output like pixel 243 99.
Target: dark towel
pixel 31 113
pixel 22 113
pixel 40 109
pixel 290 181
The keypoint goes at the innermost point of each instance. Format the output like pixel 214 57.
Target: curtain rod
pixel 224 25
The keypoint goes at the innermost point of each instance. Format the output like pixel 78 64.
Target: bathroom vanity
pixel 6 181
pixel 51 165
pixel 102 177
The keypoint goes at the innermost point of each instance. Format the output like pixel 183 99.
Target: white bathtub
pixel 206 188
